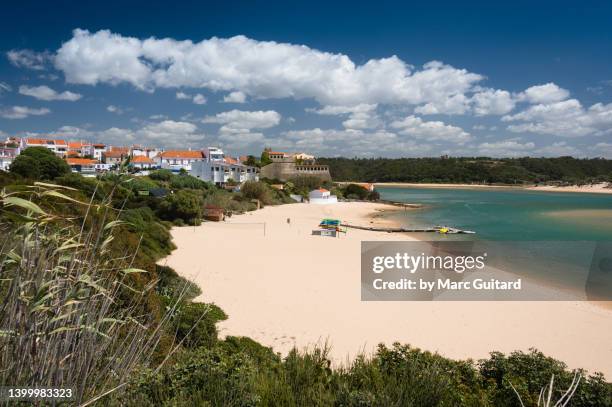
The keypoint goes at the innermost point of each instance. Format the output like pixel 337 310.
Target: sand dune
pixel 284 288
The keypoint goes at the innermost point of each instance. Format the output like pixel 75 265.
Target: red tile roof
pixel 182 154
pixel 230 160
pixel 77 144
pixel 42 141
pixel 141 159
pixel 80 161
pixel 115 154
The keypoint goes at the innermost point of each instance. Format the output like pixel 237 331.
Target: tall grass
pixel 68 309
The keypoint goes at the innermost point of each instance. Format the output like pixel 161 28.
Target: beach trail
pixel 284 287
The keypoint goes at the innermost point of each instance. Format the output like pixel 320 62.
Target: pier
pixel 439 229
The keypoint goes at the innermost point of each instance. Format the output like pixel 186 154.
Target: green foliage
pixel 530 372
pixel 161 175
pixel 265 159
pixel 356 191
pixel 173 286
pixel 146 237
pixel 257 190
pixel 195 324
pixel 252 161
pixel 183 204
pixel 480 170
pixel 185 181
pixel 39 163
pixel 303 184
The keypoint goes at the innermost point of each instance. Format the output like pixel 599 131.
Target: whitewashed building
pixel 219 169
pixel 59 147
pixel 322 196
pixel 175 160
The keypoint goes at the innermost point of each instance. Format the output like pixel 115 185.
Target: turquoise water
pixel 508 214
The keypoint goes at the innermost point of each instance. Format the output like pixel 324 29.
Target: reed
pixel 68 308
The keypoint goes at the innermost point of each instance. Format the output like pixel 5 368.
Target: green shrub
pixel 161 175
pixel 257 190
pixel 195 324
pixel 39 163
pixel 183 204
pixel 175 287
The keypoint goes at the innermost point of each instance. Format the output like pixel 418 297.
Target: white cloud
pixel 46 93
pixel 171 133
pixel 431 130
pixel 558 149
pixel 237 125
pixel 492 102
pixel 5 87
pixel 21 112
pixel 547 93
pixel 167 133
pixel 566 118
pixel 235 97
pixel 264 69
pixel 237 121
pixel 455 104
pixel 25 58
pixel 361 116
pixel 349 142
pixel 199 99
pixel 505 148
pixel 114 109
pixel 602 149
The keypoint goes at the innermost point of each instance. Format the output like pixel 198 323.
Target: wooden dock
pixel 450 230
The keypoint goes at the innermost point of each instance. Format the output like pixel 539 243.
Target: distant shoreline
pixel 591 189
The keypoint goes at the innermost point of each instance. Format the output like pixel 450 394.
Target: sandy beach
pixel 285 288
pixel 595 188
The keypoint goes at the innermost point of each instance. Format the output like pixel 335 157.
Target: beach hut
pixel 214 213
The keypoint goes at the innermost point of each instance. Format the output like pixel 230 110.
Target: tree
pixel 39 163
pixel 252 161
pixel 257 190
pixel 265 158
pixel 184 204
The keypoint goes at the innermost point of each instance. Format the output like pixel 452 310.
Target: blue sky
pixel 332 78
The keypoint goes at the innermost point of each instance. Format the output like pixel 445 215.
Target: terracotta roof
pixel 77 144
pixel 276 152
pixel 231 160
pixel 80 161
pixel 142 160
pixel 43 141
pixel 99 145
pixel 115 154
pixel 182 154
pixel 322 190
pixel 119 149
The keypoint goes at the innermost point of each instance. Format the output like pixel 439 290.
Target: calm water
pixel 508 214
pixel 566 227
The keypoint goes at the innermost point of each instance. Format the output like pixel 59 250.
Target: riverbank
pixel 595 188
pixel 285 288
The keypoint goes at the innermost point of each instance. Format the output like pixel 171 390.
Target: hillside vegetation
pixel 479 170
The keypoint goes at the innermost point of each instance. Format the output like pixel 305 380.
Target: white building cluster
pixel 209 164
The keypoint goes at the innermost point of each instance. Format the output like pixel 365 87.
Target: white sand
pixel 594 188
pixel 600 188
pixel 290 288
